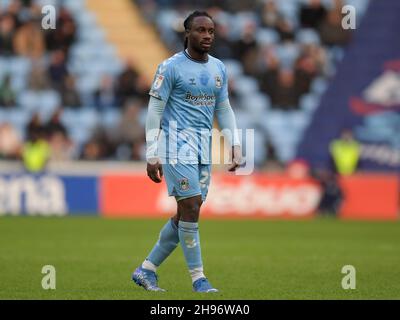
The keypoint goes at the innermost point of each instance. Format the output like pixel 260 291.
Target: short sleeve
pixel 163 81
pixel 223 92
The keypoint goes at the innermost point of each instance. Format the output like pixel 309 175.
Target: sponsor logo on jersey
pixel 200 100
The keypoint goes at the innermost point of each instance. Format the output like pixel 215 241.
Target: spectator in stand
pixel 331 30
pixel 10 142
pixel 345 153
pixel 36 153
pixel 267 70
pixel 14 9
pixel 142 89
pixel 305 71
pixel 270 16
pixel 286 93
pixel 64 35
pixel 35 127
pixel 69 95
pixel 57 69
pixel 7 94
pixel 246 46
pixel 92 151
pixel 104 97
pixel 7 33
pixel 29 40
pixel 130 132
pixel 54 125
pixel 312 14
pixel 223 46
pixel 36 150
pixel 61 147
pixel 98 147
pixel 38 79
pixel 126 83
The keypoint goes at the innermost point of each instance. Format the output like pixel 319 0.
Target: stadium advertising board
pixel 372 196
pixel 47 195
pixel 366 196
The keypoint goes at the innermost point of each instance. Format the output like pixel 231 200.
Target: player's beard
pixel 201 50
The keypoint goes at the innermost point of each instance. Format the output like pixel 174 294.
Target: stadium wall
pixel 125 191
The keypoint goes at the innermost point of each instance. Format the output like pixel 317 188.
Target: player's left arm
pixel 227 123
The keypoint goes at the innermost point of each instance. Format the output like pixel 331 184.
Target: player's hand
pixel 236 158
pixel 154 170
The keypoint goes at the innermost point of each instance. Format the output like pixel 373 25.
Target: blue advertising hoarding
pixel 48 194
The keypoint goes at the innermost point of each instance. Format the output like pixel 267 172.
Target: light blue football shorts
pixel 186 180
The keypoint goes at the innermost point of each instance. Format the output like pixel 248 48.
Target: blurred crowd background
pixel 66 92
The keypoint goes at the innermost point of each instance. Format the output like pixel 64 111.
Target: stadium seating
pixel 92 55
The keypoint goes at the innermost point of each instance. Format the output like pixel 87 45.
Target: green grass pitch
pixel 94 259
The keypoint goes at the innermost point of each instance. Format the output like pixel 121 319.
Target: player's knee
pixel 189 209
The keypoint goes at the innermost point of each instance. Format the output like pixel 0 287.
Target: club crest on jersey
pixel 218 82
pixel 158 81
pixel 184 184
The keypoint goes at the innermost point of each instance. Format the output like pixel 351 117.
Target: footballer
pixel 188 89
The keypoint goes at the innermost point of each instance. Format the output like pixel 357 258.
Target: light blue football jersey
pixel 191 90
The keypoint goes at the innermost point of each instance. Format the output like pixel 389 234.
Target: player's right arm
pixel 159 94
pixel 153 123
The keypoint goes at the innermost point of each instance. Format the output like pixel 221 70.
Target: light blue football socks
pixel 167 242
pixel 187 233
pixel 190 242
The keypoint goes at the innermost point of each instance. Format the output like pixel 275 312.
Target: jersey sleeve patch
pixel 158 81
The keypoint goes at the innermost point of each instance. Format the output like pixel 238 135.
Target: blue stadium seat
pixel 18 117
pixel 319 85
pixel 110 118
pixel 18 83
pixel 307 36
pixel 74 6
pixel 246 85
pixel 80 135
pixel 88 118
pixel 260 149
pixel 298 120
pixel 233 67
pixel 309 102
pixel 29 100
pixel 87 83
pixel 4 3
pixel 267 36
pixel 255 104
pixel 91 35
pixel 287 54
pixel 85 19
pixel 19 65
pixel 289 9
